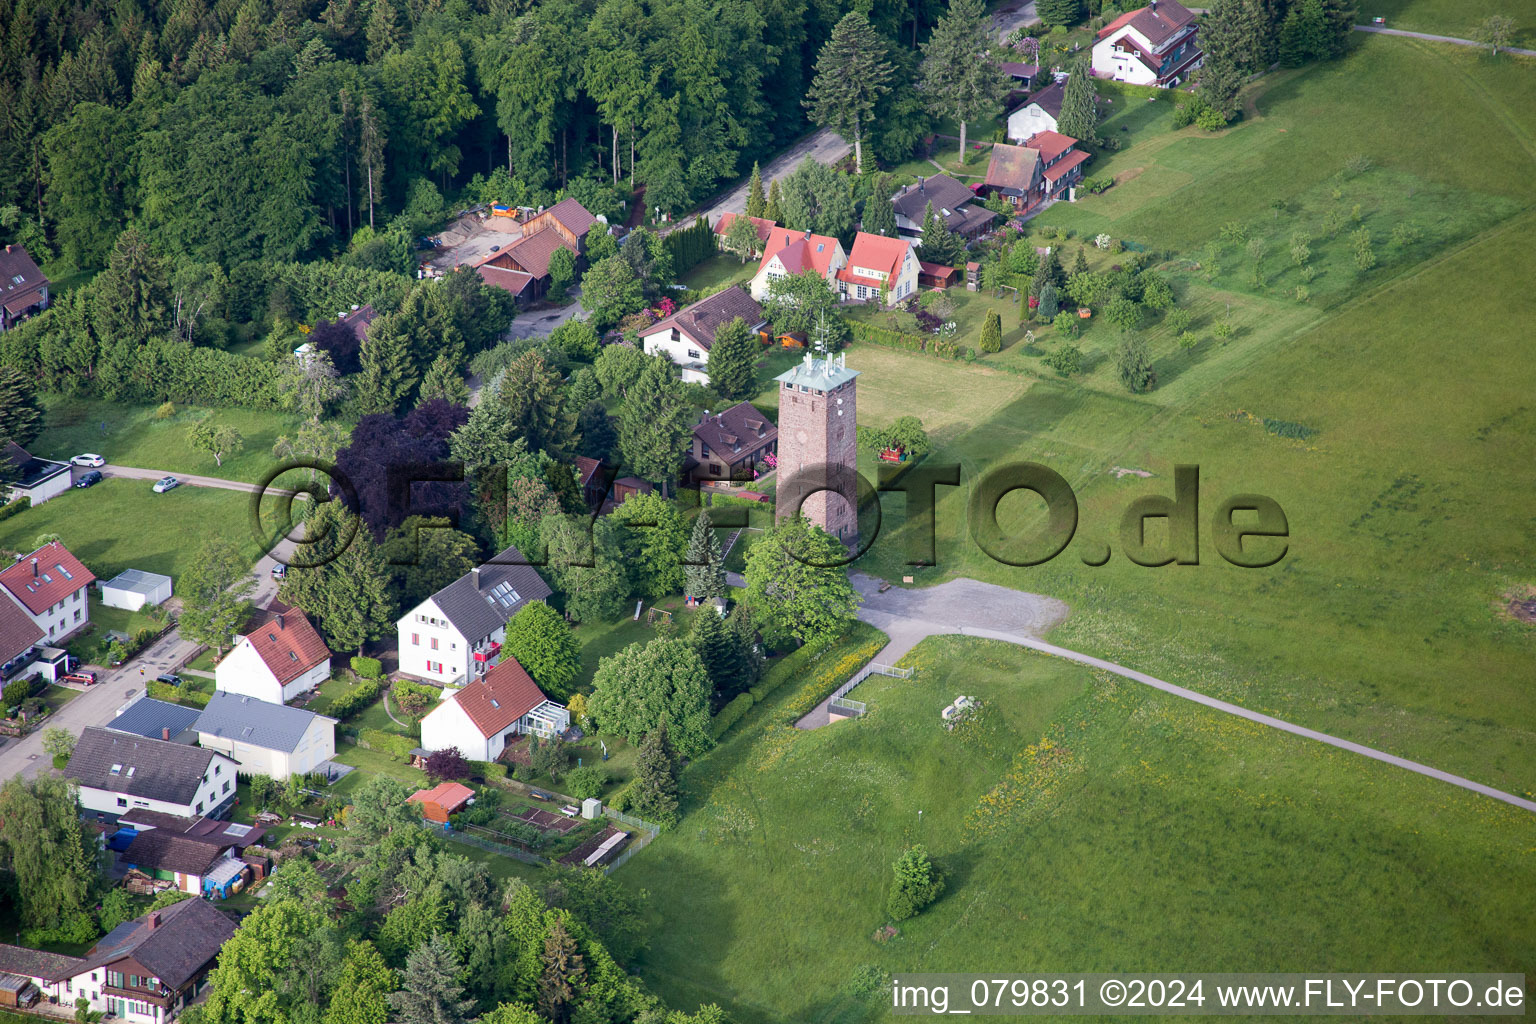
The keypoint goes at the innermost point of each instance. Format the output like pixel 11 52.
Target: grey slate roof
pixel 945 193
pixel 152 769
pixel 189 936
pixel 478 604
pixel 160 850
pixel 147 717
pixel 249 720
pixel 35 963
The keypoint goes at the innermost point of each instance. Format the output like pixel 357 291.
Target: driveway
pixel 1376 30
pixel 135 473
pixel 99 704
pixel 541 323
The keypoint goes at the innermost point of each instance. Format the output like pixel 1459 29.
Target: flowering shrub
pixel 1102 241
pixel 771 460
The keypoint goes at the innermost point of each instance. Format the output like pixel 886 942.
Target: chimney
pixel 1153 5
pixel 279 620
pixel 165 732
pixel 920 187
pixel 807 234
pixel 474 574
pixel 34 568
pixel 154 920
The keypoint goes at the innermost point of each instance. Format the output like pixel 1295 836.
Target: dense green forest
pixel 238 131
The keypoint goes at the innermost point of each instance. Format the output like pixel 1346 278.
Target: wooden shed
pixel 442 800
pixel 936 275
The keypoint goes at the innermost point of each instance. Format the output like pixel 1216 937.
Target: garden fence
pixel 501 848
pixel 874 668
pixel 648 831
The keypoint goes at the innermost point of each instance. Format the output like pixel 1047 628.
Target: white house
pixel 276 660
pixel 34 478
pixel 686 336
pixel 482 718
pixel 454 635
pixel 144 971
pixel 118 771
pixel 50 585
pixel 264 738
pixel 879 265
pixel 796 252
pixel 1154 45
pixel 133 589
pixel 1039 114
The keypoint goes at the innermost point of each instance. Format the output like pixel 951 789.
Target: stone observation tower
pixel 817 448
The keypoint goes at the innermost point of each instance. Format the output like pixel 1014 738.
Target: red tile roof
pixel 287 644
pixel 1158 22
pixel 17 630
pixel 874 252
pixel 450 796
pixel 764 227
pixel 1050 145
pixel 505 278
pixel 799 251
pixel 573 216
pixel 500 697
pixel 1013 167
pixel 532 252
pixel 1059 169
pixel 57 575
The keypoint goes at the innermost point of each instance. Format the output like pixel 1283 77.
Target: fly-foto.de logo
pixel 1250 531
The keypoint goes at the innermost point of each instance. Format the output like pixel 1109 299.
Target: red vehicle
pixel 83 678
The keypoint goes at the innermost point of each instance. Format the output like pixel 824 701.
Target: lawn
pixel 1142 833
pixel 718 270
pixel 1450 17
pixel 133 435
pixel 103 619
pixel 121 524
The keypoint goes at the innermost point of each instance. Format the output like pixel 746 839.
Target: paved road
pixel 825 146
pixel 99 704
pixel 1011 17
pixel 983 610
pixel 1376 30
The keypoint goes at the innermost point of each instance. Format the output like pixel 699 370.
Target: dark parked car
pixel 88 479
pixel 169 679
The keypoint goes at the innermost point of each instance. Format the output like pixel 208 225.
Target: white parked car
pixel 88 460
pixel 165 484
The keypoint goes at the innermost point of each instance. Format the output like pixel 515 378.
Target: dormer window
pixel 117 769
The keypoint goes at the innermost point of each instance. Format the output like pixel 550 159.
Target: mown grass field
pixel 1089 824
pixel 1390 416
pixel 132 435
pixel 122 524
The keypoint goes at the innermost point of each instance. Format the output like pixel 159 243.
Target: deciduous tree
pixel 542 642
pixel 215 594
pixel 643 687
pixel 796 584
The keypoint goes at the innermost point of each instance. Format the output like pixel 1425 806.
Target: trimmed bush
pixel 14 508
pixel 386 742
pixel 729 715
pixel 367 668
pixel 355 699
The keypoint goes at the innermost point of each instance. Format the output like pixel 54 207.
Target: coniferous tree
pixel 1059 12
pixel 960 77
pixel 443 380
pixel 564 974
pixel 341 580
pixel 654 792
pixel 756 202
pixel 1219 81
pixel 1080 265
pixel 992 333
pixel 714 643
pixel 733 360
pixel 430 992
pixel 852 73
pixel 939 244
pixel 879 211
pixel 656 423
pixel 21 414
pixel 132 293
pixel 389 373
pixel 774 210
pixel 1049 302
pixel 703 566
pixel 1079 104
